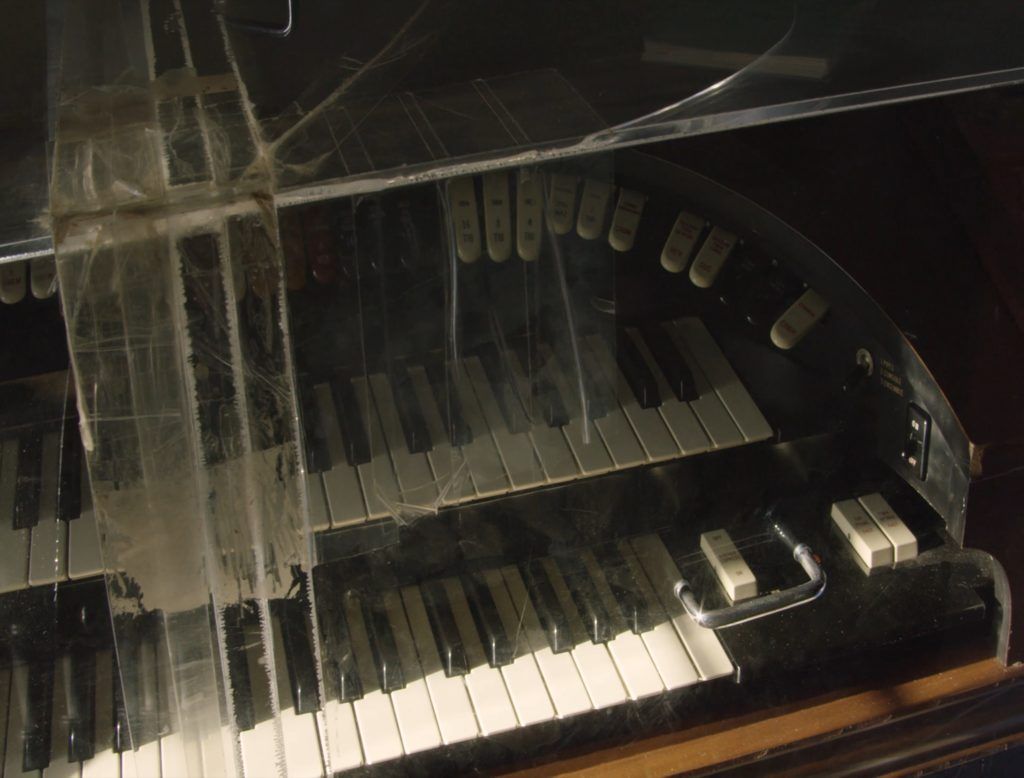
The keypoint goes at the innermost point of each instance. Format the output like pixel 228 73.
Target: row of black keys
pixel 545 401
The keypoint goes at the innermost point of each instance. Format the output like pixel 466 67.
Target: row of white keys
pixel 342 482
pixel 549 442
pixel 618 436
pixel 482 457
pixel 515 448
pixel 447 463
pixel 84 557
pixel 522 677
pixel 627 649
pixel 413 711
pixel 663 644
pixel 375 714
pixel 714 417
pixel 701 643
pixel 589 450
pixel 14 543
pixel 647 423
pixel 415 479
pixel 448 696
pixel 377 476
pixel 300 731
pixel 677 415
pixel 48 557
pixel 568 694
pixel 723 378
pixel 486 686
pixel 594 663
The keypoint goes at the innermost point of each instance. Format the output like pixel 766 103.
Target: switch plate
pixel 915 440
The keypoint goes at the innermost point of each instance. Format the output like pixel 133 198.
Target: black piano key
pixel 69 494
pixel 318 457
pixel 341 673
pixel 596 619
pixel 352 417
pixel 36 735
pixel 546 400
pixel 81 705
pixel 417 440
pixel 298 655
pixel 625 589
pixel 447 397
pixel 545 603
pixel 672 364
pixel 238 667
pixel 639 377
pixel 382 643
pixel 446 633
pixel 28 484
pixel 499 649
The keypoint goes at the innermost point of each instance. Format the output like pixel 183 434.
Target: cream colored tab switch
pixel 529 195
pixel 680 242
pixel 867 540
pixel 626 220
pixel 798 319
pixel 593 204
pixel 711 257
pixel 465 219
pixel 13 282
pixel 903 541
pixel 561 203
pixel 732 571
pixel 497 216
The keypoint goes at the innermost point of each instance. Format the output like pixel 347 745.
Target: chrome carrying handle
pixel 758 607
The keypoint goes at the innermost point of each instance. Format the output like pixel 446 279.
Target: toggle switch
pixel 915 440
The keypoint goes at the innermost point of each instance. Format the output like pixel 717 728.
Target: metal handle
pixel 757 608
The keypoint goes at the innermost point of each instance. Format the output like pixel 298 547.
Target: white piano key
pixel 593 206
pixel 450 700
pixel 701 643
pixel 637 671
pixel 341 483
pixel 44 277
pixel 550 444
pixel 515 448
pixel 904 542
pixel 568 694
pixel 615 429
pixel 5 709
pixel 172 746
pixel 319 515
pixel 711 257
pixel 482 457
pixel 626 220
pixel 143 762
pixel 708 406
pixel 300 731
pixel 867 540
pixel 663 644
pixel 723 378
pixel 341 736
pixel 494 710
pixel 497 215
pixel 48 552
pixel 14 544
pixel 15 723
pixel 590 452
pixel 529 224
pixel 798 319
pixel 84 557
pixel 380 488
pixel 678 416
pixel 375 714
pixel 13 282
pixel 561 202
pixel 680 242
pixel 647 423
pixel 59 766
pixel 106 762
pixel 412 471
pixel 465 219
pixel 413 709
pixel 525 686
pixel 594 663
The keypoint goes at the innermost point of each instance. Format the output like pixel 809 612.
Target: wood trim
pixel 726 741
